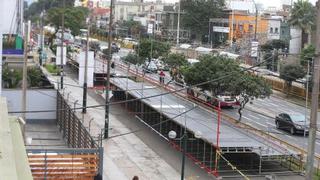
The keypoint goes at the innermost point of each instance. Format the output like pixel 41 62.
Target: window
pixel 241 27
pixel 276 30
pixel 271 30
pixel 250 27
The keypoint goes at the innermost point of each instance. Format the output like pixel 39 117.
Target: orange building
pixel 244 25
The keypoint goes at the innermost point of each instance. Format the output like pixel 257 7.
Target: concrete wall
pixel 37 100
pixel 295 42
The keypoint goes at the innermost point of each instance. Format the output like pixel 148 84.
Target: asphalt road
pixel 260 114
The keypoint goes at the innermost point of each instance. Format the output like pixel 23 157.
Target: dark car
pixel 292 122
pixel 115 48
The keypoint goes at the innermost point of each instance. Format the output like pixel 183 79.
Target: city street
pixel 260 114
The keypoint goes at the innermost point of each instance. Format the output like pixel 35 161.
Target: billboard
pixel 12 44
pixel 90 68
pixel 58 56
pixel 220 29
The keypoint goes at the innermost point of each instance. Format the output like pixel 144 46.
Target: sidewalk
pixel 124 156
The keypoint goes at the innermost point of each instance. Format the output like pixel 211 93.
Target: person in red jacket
pixel 162 75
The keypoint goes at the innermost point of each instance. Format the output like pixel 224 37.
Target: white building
pixel 125 11
pixel 274 25
pixel 11 13
pixel 241 5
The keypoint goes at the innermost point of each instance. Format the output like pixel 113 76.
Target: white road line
pixel 254 117
pixel 318 143
pixel 273 104
pixel 260 124
pixel 271 124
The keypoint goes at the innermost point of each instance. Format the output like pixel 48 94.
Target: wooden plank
pixel 42 161
pixel 66 175
pixel 63 156
pixel 91 160
pixel 37 171
pixel 64 165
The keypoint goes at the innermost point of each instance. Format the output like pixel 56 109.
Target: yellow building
pixel 244 25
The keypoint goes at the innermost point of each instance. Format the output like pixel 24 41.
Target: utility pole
pixel 256 22
pixel 178 25
pixel 62 42
pixel 41 39
pixel 106 122
pixel 24 73
pixel 85 85
pixel 314 104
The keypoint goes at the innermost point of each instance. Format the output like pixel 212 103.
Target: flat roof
pixel 200 119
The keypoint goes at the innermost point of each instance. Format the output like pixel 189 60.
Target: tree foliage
pixel 34 10
pixel 303 15
pixel 226 76
pixel 270 49
pixel 291 72
pixel 175 60
pixel 307 54
pixel 12 78
pixel 196 14
pixel 158 48
pixel 134 27
pixel 274 44
pixel 75 18
pixel 133 59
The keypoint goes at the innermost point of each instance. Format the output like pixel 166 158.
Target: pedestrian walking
pixel 161 76
pixel 173 74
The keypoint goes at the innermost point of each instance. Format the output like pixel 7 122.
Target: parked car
pixel 292 122
pixel 150 67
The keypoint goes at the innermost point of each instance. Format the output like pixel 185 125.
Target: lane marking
pixel 254 117
pixel 260 124
pixel 169 106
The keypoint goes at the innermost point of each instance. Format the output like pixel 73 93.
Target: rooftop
pixel 13 158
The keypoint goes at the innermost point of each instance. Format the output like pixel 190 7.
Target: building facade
pixel 274 27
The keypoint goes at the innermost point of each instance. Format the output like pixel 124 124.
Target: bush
pixel 52 68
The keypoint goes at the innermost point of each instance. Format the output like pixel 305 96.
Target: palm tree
pixel 303 16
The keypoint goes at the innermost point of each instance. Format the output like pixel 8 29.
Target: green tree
pixel 307 54
pixel 229 78
pixel 248 87
pixel 158 48
pixel 34 77
pixel 270 49
pixel 11 78
pixel 175 60
pixel 134 27
pixel 34 10
pixel 303 16
pixel 291 72
pixel 196 15
pixel 133 59
pixel 75 18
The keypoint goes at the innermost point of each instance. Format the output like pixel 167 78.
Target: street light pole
pixel 62 42
pixel 314 104
pixel 109 57
pixel 256 22
pixel 178 24
pixel 307 95
pixel 85 84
